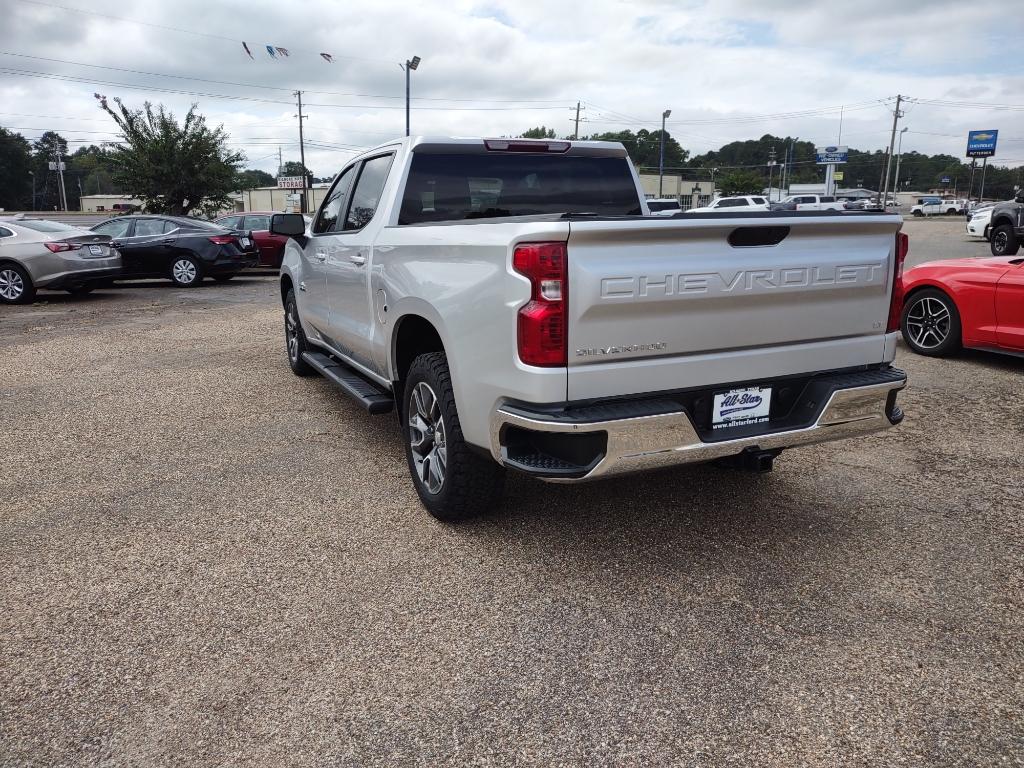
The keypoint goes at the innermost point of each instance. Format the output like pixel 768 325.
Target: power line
pixel 272 87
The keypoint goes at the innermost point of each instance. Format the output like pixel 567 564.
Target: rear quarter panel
pixel 460 278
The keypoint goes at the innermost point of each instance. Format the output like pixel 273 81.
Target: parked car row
pixel 39 254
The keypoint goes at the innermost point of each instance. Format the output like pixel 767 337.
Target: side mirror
pixel 288 224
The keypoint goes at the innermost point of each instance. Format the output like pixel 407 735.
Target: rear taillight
pixel 59 247
pixel 541 326
pixel 896 301
pixel 222 239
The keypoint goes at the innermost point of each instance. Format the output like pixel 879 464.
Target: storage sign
pixel 981 143
pixel 830 155
pixel 290 182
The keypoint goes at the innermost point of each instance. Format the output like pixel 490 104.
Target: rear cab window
pixel 451 186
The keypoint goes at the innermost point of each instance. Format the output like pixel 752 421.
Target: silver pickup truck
pixel 515 301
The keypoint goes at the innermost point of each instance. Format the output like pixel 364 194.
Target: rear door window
pixel 257 223
pixel 367 192
pixel 150 227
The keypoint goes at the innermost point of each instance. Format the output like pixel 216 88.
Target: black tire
pixel 184 276
pixel 15 285
pixel 923 323
pixel 222 278
pixel 295 338
pixel 917 213
pixel 470 483
pixel 1003 241
pixel 81 290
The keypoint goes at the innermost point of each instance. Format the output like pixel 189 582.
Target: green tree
pixel 90 166
pixel 644 148
pixel 252 178
pixel 173 167
pixel 540 132
pixel 293 168
pixel 15 171
pixel 741 182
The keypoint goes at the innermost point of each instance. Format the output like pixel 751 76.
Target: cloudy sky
pixel 728 69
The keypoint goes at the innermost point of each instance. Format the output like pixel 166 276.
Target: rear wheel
pixel 931 324
pixel 1004 241
pixel 15 285
pixel 185 272
pixel 452 480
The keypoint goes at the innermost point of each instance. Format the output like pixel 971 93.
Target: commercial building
pixel 109 203
pixel 689 193
pixel 279 199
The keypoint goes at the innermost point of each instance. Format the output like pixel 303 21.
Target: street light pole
pixel 899 157
pixel 661 161
pixel 410 64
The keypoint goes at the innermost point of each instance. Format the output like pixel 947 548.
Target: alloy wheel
pixel 11 285
pixel 291 333
pixel 928 322
pixel 184 271
pixel 1000 240
pixel 427 437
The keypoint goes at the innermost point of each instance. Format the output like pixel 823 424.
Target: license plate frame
pixel 740 407
pixel 96 250
pixel 246 242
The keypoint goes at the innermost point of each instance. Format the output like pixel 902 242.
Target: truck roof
pixel 479 144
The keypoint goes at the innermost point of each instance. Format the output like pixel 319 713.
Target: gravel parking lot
pixel 206 560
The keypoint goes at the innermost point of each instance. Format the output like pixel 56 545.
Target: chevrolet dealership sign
pixel 982 143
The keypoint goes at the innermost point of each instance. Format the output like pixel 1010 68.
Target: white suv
pixel 732 204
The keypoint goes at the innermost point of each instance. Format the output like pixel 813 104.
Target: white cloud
pixel 721 61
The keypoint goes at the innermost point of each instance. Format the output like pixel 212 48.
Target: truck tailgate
pixel 686 302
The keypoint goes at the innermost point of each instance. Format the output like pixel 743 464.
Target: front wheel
pixel 453 482
pixel 295 338
pixel 185 272
pixel 1004 241
pixel 931 324
pixel 917 213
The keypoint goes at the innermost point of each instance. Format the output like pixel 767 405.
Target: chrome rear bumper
pixel 663 439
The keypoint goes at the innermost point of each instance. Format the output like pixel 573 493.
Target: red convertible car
pixel 958 303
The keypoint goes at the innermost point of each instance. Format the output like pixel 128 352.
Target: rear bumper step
pixel 370 396
pixel 629 436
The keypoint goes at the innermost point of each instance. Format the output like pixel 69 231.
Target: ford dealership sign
pixel 830 155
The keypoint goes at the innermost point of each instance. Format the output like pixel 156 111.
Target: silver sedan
pixel 35 253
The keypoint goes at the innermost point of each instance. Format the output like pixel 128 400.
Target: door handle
pixel 357 258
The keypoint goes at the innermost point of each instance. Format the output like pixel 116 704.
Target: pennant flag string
pixel 281 51
pixel 247 50
pixel 327 57
pixel 270 50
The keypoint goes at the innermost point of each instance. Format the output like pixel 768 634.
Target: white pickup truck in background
pixel 515 302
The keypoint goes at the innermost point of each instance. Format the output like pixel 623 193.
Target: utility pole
pixel 280 162
pixel 80 193
pixel 576 132
pixel 899 159
pixel 984 166
pixel 771 171
pixel 59 167
pixel 896 115
pixel 661 159
pixel 302 155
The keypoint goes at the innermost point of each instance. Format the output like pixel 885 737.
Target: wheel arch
pixel 414 335
pixel 941 288
pixel 286 286
pixel 7 261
